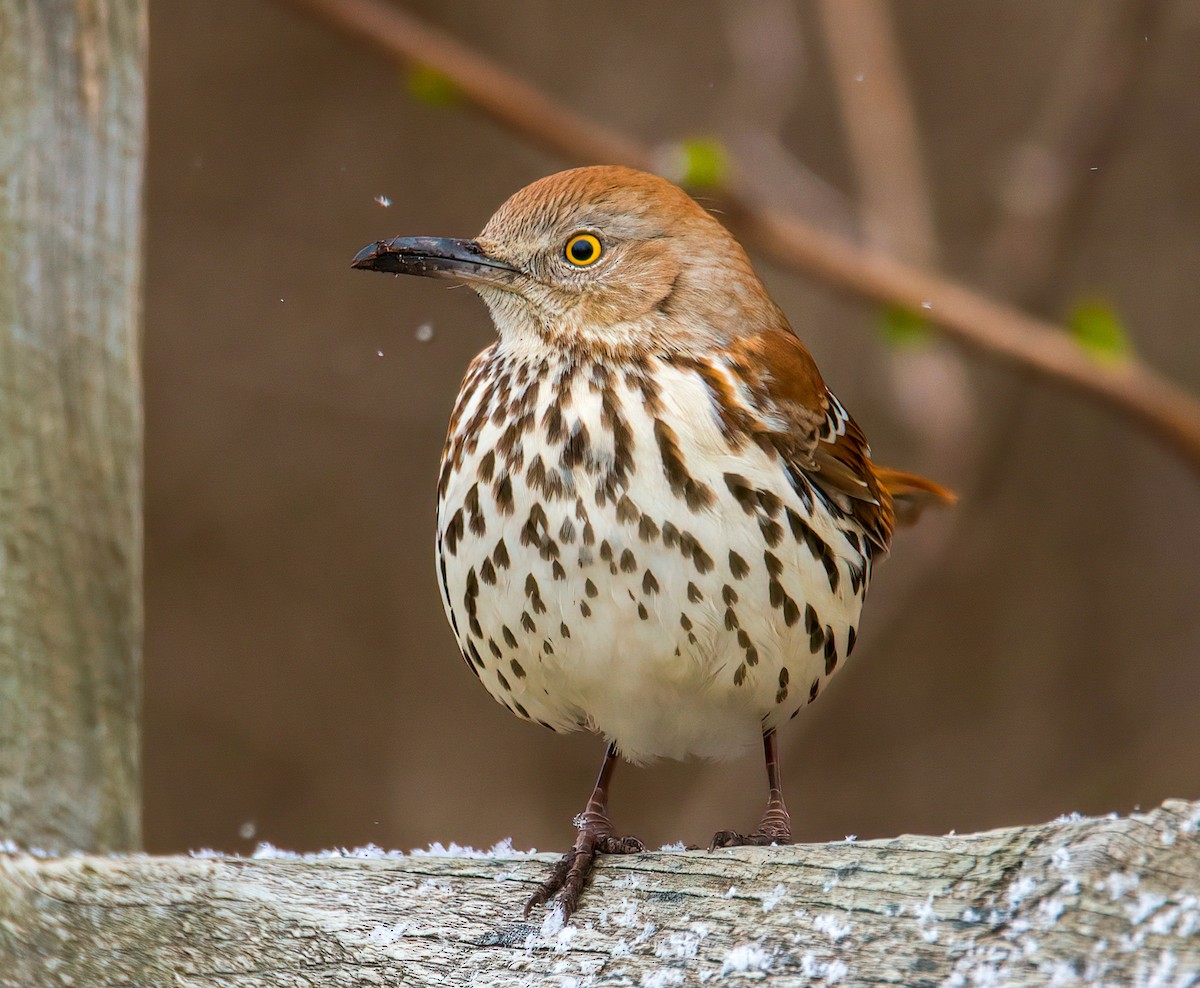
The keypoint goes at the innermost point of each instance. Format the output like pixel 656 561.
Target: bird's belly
pixel 674 626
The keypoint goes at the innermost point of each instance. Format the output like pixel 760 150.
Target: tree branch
pixel 977 322
pixel 881 128
pixel 1050 178
pixel 1112 901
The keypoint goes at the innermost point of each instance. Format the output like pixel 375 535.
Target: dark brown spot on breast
pixel 487 467
pixel 442 573
pixel 626 510
pixel 552 422
pixel 517 669
pixel 503 493
pixel 576 448
pixel 622 437
pixel 647 529
pixel 454 532
pixel 471 503
pixel 670 535
pixel 742 492
pixel 812 622
pixel 628 562
pixel 649 583
pixel 533 532
pixel 738 566
pixel 857 580
pixel 775 590
pixel 695 493
pixel 474 671
pixel 772 531
pixel 566 532
pixel 770 502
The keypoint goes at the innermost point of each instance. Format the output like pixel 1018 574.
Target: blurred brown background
pixel 1036 653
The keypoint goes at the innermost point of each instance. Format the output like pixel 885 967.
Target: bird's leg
pixel 776 825
pixel 596 836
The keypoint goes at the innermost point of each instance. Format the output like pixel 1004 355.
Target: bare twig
pixel 510 101
pixel 880 128
pixel 1050 177
pixel 975 321
pixel 768 64
pixel 885 151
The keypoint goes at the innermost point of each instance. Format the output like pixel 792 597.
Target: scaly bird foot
pixel 762 837
pixel 565 882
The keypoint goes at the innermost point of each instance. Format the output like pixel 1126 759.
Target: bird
pixel 655 522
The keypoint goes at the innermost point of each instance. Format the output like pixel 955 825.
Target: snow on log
pixel 1111 901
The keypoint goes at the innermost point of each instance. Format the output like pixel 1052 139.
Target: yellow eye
pixel 582 250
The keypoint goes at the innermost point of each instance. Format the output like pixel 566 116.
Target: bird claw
pixel 762 837
pixel 566 880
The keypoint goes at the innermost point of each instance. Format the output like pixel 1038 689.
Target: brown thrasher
pixel 654 520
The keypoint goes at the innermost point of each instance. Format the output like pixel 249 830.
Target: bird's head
pixel 603 258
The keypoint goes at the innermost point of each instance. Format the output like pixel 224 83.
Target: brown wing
pixel 814 434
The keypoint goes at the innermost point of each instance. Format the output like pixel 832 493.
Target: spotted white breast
pixel 613 558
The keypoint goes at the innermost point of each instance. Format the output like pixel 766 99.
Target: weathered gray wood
pixel 1113 901
pixel 72 97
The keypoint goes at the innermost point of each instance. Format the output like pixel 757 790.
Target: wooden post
pixel 72 137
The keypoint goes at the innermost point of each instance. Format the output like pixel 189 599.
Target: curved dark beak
pixel 434 257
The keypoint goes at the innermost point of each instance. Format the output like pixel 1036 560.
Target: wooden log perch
pixel 1112 901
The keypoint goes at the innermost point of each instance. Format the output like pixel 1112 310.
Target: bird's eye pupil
pixel 583 249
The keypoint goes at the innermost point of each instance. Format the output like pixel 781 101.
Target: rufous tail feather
pixel 912 494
